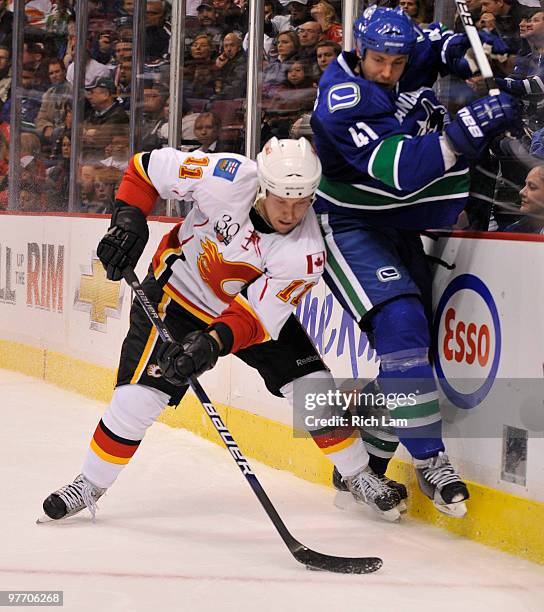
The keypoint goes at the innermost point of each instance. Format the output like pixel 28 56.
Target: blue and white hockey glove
pixel 197 353
pixel 476 124
pixel 457 53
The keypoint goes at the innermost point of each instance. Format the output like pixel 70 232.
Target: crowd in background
pixel 300 39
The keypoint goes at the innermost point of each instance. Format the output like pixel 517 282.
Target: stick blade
pixel 341 565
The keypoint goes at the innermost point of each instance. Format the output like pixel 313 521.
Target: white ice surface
pixel 182 530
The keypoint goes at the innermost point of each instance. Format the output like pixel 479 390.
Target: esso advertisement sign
pixel 467 341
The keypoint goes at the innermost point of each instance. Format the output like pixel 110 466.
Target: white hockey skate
pixel 71 499
pixel 367 488
pixel 441 484
pixel 340 486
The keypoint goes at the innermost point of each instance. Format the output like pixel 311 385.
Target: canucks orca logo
pixel 344 95
pixel 437 117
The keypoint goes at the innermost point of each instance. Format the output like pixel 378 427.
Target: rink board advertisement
pixel 488 328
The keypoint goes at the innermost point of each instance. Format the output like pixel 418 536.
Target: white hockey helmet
pixel 288 168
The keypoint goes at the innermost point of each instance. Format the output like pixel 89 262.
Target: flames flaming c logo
pixel 217 271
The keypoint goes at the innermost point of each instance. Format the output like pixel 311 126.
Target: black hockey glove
pixel 475 125
pixel 125 241
pixel 197 353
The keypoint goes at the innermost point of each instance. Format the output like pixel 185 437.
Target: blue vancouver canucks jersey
pixel 380 150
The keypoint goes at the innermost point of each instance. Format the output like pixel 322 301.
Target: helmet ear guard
pixel 288 168
pixel 384 30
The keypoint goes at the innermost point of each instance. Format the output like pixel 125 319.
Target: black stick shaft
pixel 212 413
pixel 310 558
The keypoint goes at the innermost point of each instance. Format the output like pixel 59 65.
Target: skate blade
pixel 44 519
pixel 344 500
pixel 456 510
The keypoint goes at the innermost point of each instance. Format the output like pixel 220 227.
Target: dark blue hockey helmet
pixel 384 30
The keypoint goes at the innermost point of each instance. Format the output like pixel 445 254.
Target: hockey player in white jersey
pixel 224 281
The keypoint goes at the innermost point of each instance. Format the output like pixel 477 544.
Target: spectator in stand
pixel 325 15
pixel 93 70
pixel 6 24
pixel 532 204
pixel 51 114
pixel 525 81
pixel 27 200
pixel 32 177
pixel 309 34
pixel 34 56
pixel 202 84
pixel 299 13
pixel 127 8
pixel 297 94
pixel 207 128
pixel 188 119
pixel 487 23
pixel 157 31
pixel 229 14
pixel 525 30
pixel 231 69
pixel 118 148
pixel 326 51
pixel 155 97
pixel 102 48
pixel 300 86
pixel 198 74
pixel 288 46
pixel 105 181
pixel 58 132
pixel 122 81
pixel 207 24
pixel 269 51
pixel 415 10
pixel 70 49
pixel 507 17
pixel 5 75
pixel 123 50
pixel 86 185
pixel 57 181
pixel 106 109
pixel 30 100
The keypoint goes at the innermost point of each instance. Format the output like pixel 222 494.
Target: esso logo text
pixel 467 341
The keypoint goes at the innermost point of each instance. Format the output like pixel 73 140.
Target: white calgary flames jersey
pixel 224 247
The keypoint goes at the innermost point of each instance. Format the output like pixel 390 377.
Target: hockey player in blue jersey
pixel 393 165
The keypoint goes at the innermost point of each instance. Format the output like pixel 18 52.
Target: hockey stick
pixel 477 47
pixel 312 559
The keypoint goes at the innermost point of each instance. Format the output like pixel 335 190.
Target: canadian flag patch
pixel 316 262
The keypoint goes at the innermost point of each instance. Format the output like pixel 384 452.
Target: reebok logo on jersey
pixel 226 168
pixel 316 262
pixel 344 95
